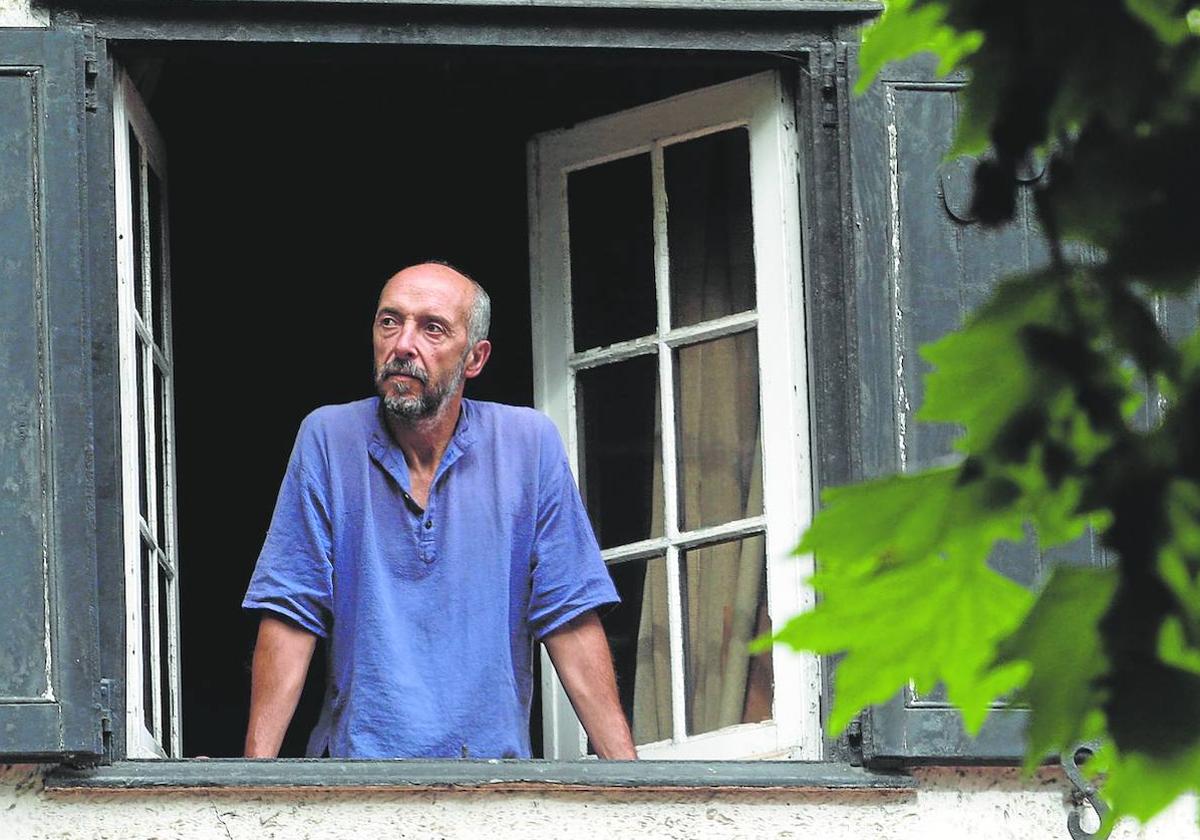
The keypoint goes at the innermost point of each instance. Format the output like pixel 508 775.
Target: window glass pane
pixel 710 234
pixel 611 224
pixel 725 606
pixel 135 192
pixel 638 634
pixel 147 572
pixel 720 452
pixel 621 458
pixel 154 217
pixel 140 394
pixel 160 457
pixel 164 664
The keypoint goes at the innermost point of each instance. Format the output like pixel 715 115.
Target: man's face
pixel 422 354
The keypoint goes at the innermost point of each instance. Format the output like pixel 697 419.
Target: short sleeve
pixel 294 574
pixel 569 576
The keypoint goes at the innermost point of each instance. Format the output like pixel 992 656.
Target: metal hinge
pixel 832 60
pixel 854 741
pixel 91 66
pixel 107 687
pixel 1084 793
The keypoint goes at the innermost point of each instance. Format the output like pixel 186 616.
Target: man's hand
pixel 579 651
pixel 281 657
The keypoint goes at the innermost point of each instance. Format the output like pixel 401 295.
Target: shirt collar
pixel 385 452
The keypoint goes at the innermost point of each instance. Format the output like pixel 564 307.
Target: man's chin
pixel 408 408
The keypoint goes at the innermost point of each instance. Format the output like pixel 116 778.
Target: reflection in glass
pixel 164 665
pixel 139 394
pixel 621 461
pixel 148 572
pixel 710 233
pixel 611 233
pixel 154 200
pixel 160 457
pixel 725 606
pixel 717 413
pixel 638 634
pixel 135 193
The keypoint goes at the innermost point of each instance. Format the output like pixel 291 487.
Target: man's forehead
pixel 430 283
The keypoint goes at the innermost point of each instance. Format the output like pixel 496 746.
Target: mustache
pixel 403 367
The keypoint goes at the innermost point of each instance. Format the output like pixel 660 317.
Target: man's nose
pixel 404 346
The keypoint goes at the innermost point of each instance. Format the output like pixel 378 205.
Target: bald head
pixel 429 337
pixel 478 311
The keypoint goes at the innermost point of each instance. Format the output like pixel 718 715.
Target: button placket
pixel 427 530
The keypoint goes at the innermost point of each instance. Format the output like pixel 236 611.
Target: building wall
pixel 21 13
pixel 979 804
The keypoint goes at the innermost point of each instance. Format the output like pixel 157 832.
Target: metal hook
pixel 1084 791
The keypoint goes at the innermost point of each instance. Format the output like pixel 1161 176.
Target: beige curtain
pixel 722 583
pixel 720 480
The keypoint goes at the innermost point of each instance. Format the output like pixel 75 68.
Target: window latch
pixel 831 65
pixel 106 722
pixel 91 66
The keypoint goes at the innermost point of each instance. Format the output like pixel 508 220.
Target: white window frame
pixel 762 105
pixel 136 335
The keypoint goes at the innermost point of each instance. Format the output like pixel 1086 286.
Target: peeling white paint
pixel 903 408
pixel 22 13
pixel 980 804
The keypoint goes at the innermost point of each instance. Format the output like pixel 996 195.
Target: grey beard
pixel 412 408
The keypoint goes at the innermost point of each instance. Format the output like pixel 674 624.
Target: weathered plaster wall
pixel 956 805
pixel 21 13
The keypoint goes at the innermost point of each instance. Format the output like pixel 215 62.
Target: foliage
pixel 1047 382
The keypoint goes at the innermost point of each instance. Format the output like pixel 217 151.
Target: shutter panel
pixel 49 688
pixel 923 264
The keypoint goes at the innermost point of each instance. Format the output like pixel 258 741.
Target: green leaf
pixel 1140 786
pixel 907 517
pixel 935 620
pixel 908 27
pixel 1165 17
pixel 982 375
pixel 1060 641
pixel 1179 558
pixel 1173 648
pixel 906 592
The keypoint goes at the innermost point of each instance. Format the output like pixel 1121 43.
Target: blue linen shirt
pixel 429 617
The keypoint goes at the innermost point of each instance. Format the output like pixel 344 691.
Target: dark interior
pixel 300 180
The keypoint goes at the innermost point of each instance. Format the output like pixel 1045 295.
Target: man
pixel 429 539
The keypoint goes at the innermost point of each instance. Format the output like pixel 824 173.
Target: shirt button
pixel 428 524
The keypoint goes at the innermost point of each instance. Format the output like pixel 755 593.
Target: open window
pixel 669 348
pixel 300 173
pixel 299 179
pixel 646 272
pixel 152 702
pixel 282 226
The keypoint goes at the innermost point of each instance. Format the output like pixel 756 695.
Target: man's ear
pixel 477 358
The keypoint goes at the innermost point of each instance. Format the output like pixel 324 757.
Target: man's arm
pixel 579 651
pixel 281 657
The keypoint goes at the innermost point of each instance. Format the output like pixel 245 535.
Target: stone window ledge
pixel 233 774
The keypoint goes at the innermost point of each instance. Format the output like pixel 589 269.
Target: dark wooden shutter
pixel 49 687
pixel 922 265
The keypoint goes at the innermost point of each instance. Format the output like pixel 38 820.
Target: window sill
pixel 413 774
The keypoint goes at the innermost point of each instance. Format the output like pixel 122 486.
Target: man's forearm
pixel 583 661
pixel 281 658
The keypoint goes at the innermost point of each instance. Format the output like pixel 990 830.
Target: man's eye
pixel 387 322
pixel 435 328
